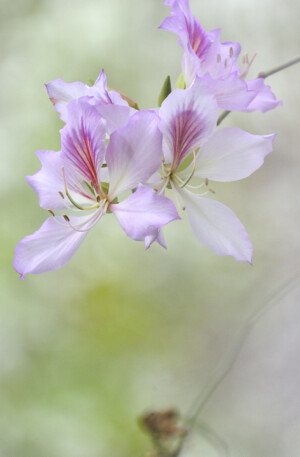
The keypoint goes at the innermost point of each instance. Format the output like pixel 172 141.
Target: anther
pixel 66 218
pixel 212 191
pixel 218 58
pixel 225 63
pixel 98 198
pixel 206 181
pixel 155 189
pixel 184 208
pixel 163 159
pixel 61 194
pixel 51 212
pixel 231 52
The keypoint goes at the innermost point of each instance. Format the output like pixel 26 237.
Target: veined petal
pixel 53 245
pixel 231 93
pixel 231 154
pixel 217 227
pixel 48 182
pixel 83 143
pixel 188 118
pixel 143 213
pixel 134 152
pixel 264 100
pixel 191 35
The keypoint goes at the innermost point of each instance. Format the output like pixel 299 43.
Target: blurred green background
pixel 118 331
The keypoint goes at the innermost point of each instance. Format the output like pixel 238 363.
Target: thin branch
pixel 209 390
pixel 264 75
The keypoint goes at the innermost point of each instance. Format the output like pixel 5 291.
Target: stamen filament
pixel 193 171
pixel 71 199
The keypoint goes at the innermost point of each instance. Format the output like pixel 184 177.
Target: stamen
pixel 218 58
pixel 61 194
pixel 231 52
pixel 71 199
pixel 212 191
pixel 51 212
pixel 225 63
pixel 206 181
pixel 184 208
pixel 163 159
pixel 245 72
pixel 98 198
pixel 193 171
pixel 66 218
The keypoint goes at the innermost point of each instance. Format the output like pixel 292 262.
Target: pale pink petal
pixel 143 213
pixel 217 227
pixel 231 93
pixel 231 154
pixel 155 236
pixel 134 152
pixel 62 93
pixel 83 144
pixel 188 118
pixel 48 182
pixel 52 246
pixel 108 103
pixel 265 100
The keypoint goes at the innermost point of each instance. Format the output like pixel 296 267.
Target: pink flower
pixel 70 182
pixel 217 63
pixel 192 150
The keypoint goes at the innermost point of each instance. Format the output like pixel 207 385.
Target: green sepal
pixel 180 84
pixel 165 90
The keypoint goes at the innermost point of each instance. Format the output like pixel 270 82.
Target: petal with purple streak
pixel 188 118
pixel 83 145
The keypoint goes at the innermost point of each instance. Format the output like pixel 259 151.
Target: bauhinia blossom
pixel 217 63
pixel 193 150
pixel 70 182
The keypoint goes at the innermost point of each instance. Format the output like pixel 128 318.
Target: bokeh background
pixel 119 331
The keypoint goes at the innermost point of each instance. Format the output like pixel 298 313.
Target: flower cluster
pixel 117 159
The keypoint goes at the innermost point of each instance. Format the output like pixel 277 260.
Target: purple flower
pixel 217 63
pixel 70 182
pixel 193 151
pixel 104 100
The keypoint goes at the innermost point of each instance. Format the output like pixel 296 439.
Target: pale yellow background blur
pixel 86 349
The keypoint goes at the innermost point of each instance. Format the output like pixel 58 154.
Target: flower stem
pixel 209 390
pixel 264 75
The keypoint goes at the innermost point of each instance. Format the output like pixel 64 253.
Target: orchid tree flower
pixel 193 151
pixel 70 186
pixel 217 63
pixel 109 103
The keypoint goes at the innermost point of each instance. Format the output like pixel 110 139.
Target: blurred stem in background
pixel 169 431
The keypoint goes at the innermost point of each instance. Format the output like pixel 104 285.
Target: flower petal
pixel 53 245
pixel 48 182
pixel 83 143
pixel 231 154
pixel 217 227
pixel 108 103
pixel 62 93
pixel 231 93
pixel 134 152
pixel 143 213
pixel 265 100
pixel 188 118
